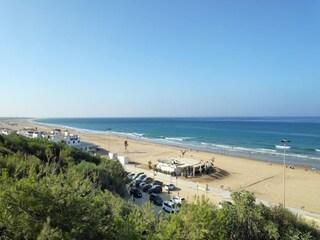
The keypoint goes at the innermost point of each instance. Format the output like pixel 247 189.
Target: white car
pixel 177 200
pixel 170 207
pixel 130 176
pixel 169 187
pixel 141 177
pixel 136 175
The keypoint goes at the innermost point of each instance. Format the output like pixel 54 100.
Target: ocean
pixel 251 137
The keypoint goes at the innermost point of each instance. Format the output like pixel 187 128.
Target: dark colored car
pixel 156 199
pixel 146 187
pixel 155 189
pixel 141 185
pixel 157 183
pixel 135 183
pixel 148 180
pixel 136 193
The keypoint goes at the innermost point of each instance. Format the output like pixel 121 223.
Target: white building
pixel 69 138
pixel 6 131
pixel 72 140
pixel 177 166
pixel 87 147
pixel 55 131
pixel 27 132
pixel 37 134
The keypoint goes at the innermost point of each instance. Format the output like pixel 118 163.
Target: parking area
pixel 189 190
pixel 138 199
pixel 145 198
pixel 184 188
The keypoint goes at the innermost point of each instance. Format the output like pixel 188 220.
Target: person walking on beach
pixel 126 146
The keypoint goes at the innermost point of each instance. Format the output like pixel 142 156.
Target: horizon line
pixel 48 117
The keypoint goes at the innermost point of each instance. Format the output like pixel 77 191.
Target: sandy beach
pixel 264 179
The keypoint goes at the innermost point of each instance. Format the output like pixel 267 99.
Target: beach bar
pixel 178 166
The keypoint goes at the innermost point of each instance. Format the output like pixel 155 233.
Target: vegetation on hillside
pixel 52 191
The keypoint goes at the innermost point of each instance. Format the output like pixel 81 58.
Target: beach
pixel 263 178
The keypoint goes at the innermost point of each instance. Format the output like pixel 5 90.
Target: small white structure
pixel 112 156
pixel 123 160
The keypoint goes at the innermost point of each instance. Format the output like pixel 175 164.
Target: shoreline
pixel 265 180
pixel 127 136
pixel 252 154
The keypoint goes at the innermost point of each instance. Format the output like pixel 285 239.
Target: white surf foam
pixel 265 150
pixel 282 147
pixel 174 139
pixel 180 139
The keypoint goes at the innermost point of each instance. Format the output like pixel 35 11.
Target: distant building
pixel 70 139
pixel 55 131
pixel 6 131
pixel 27 132
pixel 37 134
pixel 87 147
pixel 56 135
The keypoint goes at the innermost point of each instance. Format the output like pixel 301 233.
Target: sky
pixel 159 58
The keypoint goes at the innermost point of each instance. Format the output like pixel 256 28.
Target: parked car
pixel 157 183
pixel 169 187
pixel 135 183
pixel 135 193
pixel 137 175
pixel 170 207
pixel 149 180
pixel 144 179
pixel 177 200
pixel 155 189
pixel 141 185
pixel 146 187
pixel 130 176
pixel 156 199
pixel 142 176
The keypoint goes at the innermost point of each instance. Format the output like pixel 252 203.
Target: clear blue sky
pixel 159 58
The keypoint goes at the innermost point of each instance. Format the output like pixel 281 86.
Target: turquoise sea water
pixel 248 137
